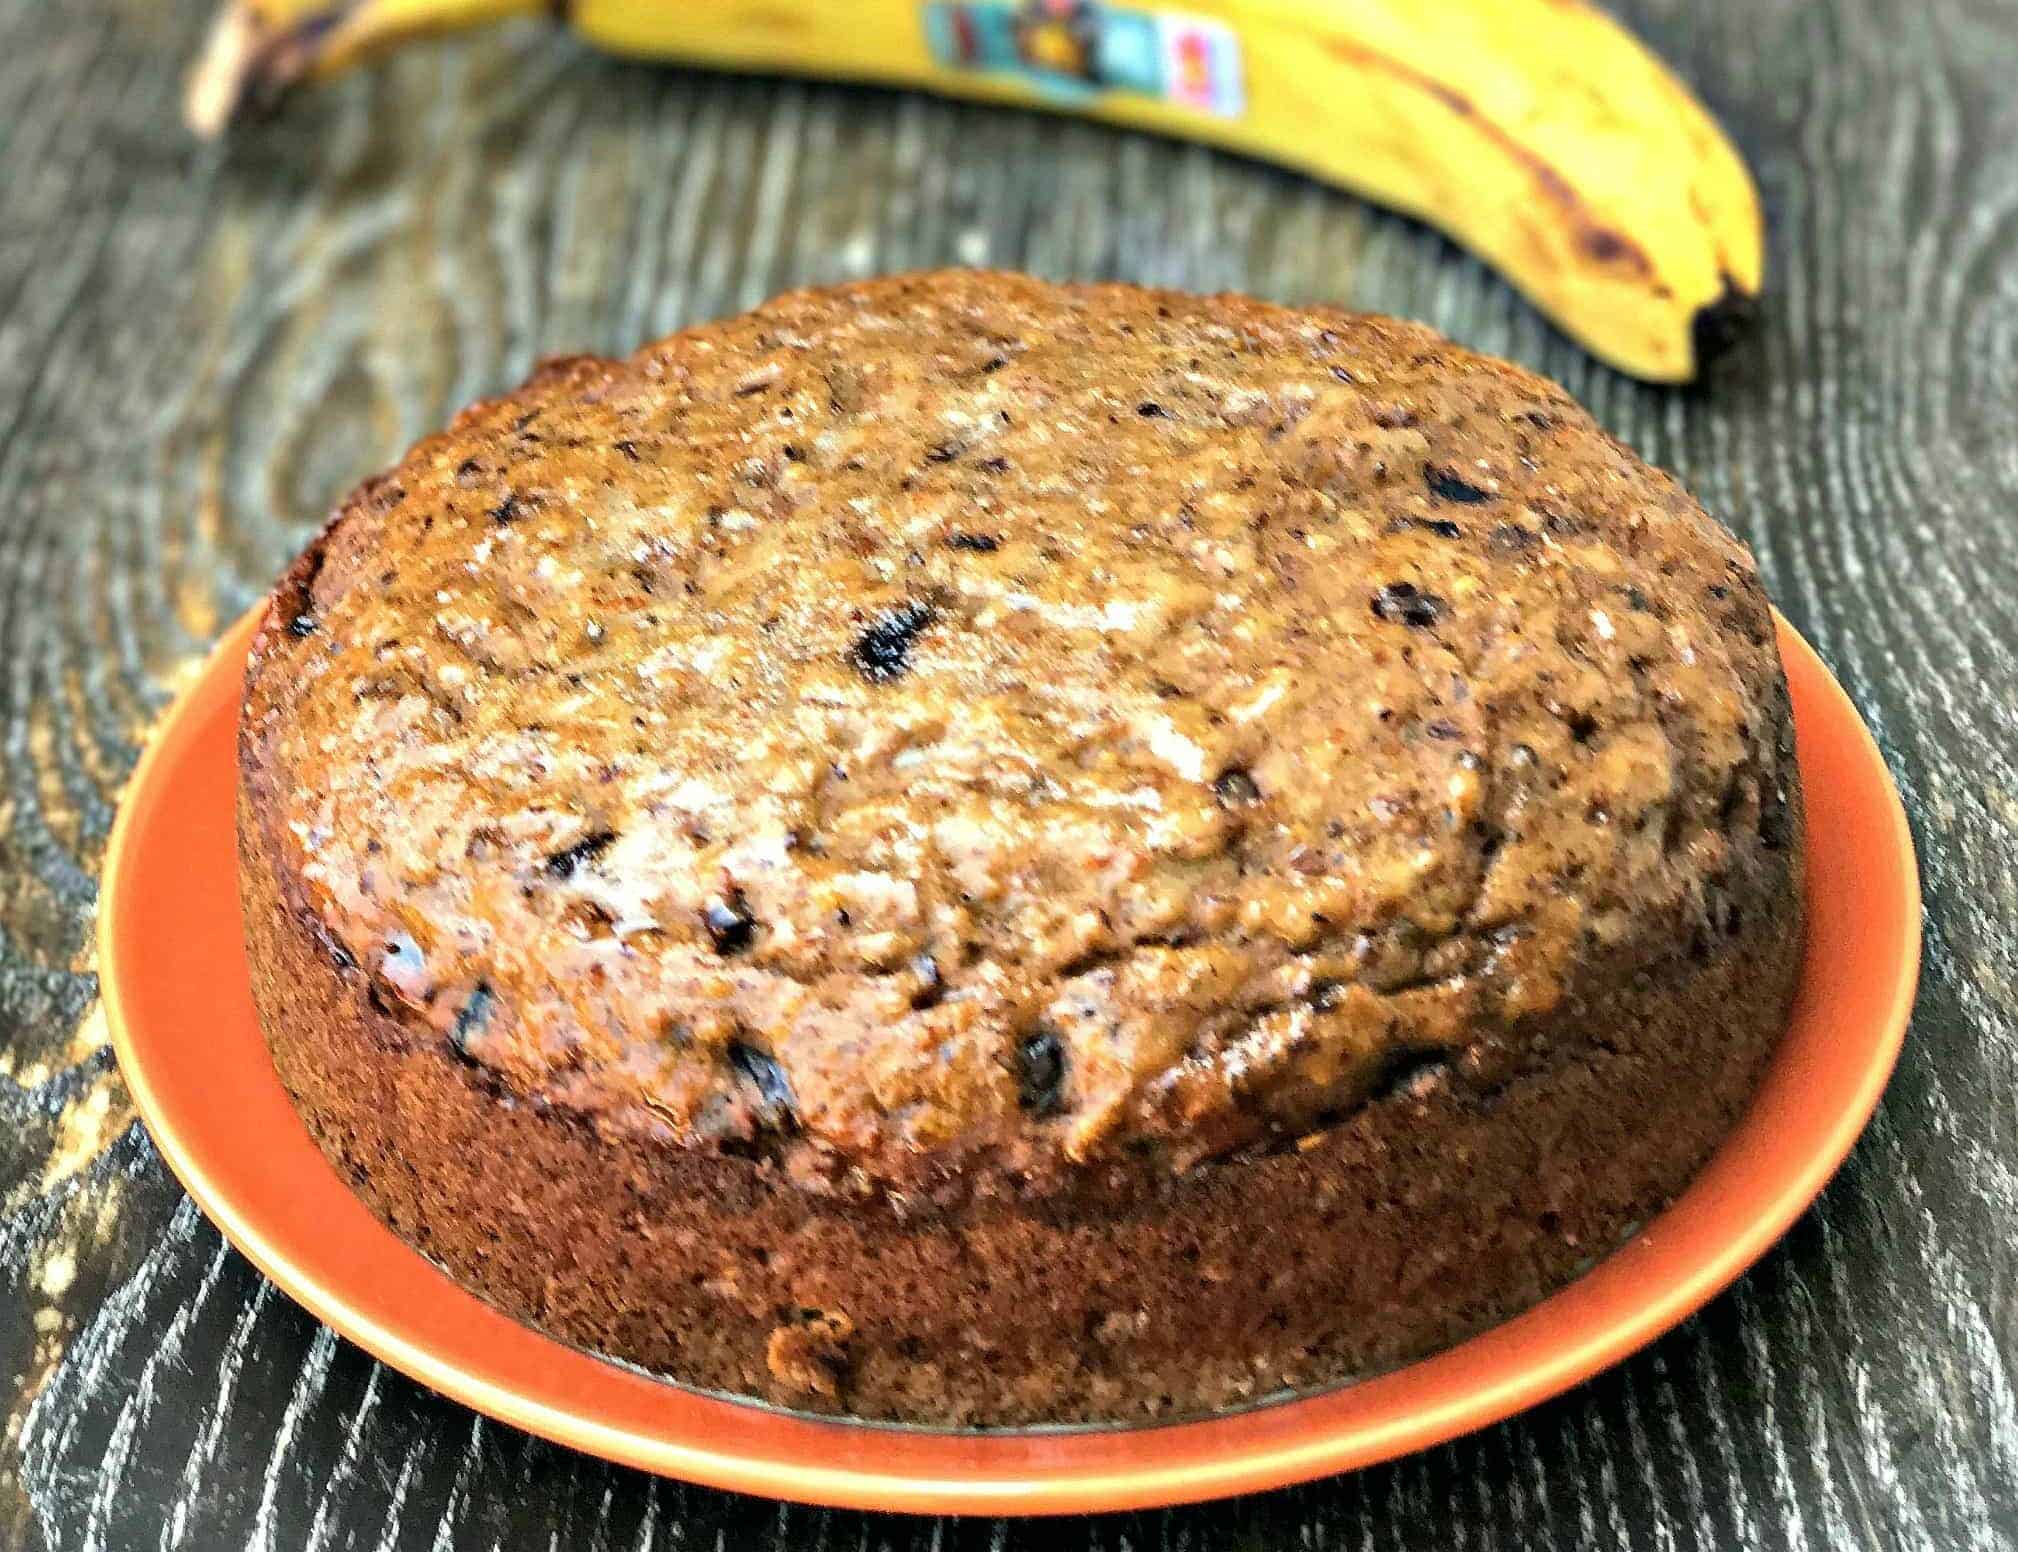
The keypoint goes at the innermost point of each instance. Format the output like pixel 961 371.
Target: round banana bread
pixel 971 851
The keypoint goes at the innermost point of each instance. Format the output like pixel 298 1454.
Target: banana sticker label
pixel 1075 49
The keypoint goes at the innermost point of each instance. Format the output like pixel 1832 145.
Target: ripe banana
pixel 1537 133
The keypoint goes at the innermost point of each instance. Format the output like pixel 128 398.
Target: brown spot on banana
pixel 1605 246
pixel 1602 244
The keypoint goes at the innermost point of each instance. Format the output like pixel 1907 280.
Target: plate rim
pixel 1265 1462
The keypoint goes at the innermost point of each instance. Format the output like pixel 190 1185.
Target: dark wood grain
pixel 200 348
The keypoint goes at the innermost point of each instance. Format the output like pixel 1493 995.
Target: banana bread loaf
pixel 971 851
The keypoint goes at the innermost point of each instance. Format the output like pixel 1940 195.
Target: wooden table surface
pixel 201 348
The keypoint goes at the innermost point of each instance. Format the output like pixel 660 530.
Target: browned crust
pixel 378 524
pixel 1437 1208
pixel 1426 1215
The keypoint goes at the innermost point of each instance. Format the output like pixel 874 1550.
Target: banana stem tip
pixel 248 60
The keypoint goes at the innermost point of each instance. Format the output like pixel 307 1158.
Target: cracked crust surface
pixel 959 715
pixel 954 729
pixel 856 856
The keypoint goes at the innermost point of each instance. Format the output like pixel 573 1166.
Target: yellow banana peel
pixel 1539 134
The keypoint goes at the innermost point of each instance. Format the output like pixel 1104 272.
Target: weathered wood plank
pixel 200 348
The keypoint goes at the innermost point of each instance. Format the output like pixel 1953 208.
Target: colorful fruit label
pixel 1076 49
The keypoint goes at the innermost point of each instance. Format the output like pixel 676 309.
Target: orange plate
pixel 175 987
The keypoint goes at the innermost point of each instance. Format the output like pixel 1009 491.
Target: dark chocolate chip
pixel 775 1107
pixel 628 448
pixel 931 986
pixel 507 510
pixel 339 956
pixel 1040 1073
pixel 1443 729
pixel 945 452
pixel 1149 410
pixel 985 544
pixel 729 922
pixel 302 625
pixel 993 466
pixel 1776 824
pixel 1512 539
pixel 473 1019
pixel 1442 527
pixel 1412 1073
pixel 1583 726
pixel 564 864
pixel 1403 603
pixel 880 652
pixel 1235 785
pixel 1446 486
pixel 1326 993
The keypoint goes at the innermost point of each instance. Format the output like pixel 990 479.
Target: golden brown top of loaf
pixel 956 722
